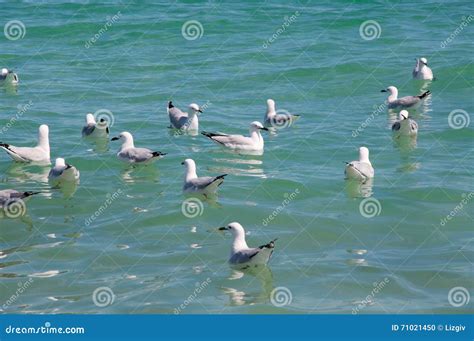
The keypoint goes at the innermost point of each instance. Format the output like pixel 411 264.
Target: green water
pixel 142 247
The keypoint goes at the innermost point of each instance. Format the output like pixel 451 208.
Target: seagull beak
pixel 264 128
pixel 199 110
pixel 182 163
pixel 223 228
pixel 384 90
pixel 115 138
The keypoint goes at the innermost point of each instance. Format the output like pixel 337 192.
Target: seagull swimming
pixel 361 169
pixel 403 102
pixel 63 171
pixel 277 120
pixel 9 196
pixel 94 129
pixel 239 142
pixel 130 154
pixel 40 153
pixel 405 126
pixel 241 255
pixel 204 185
pixel 183 120
pixel 421 70
pixel 5 73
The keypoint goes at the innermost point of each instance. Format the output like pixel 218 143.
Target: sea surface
pixel 401 243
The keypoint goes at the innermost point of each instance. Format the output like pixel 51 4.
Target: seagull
pixel 421 70
pixel 4 76
pixel 361 169
pixel 205 184
pixel 404 125
pixel 277 120
pixel 243 256
pixel 239 142
pixel 94 129
pixel 183 120
pixel 404 102
pixel 9 196
pixel 130 154
pixel 63 171
pixel 40 153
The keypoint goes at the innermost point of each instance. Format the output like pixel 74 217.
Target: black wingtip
pixel 6 145
pixel 221 176
pixel 205 133
pixel 426 93
pixel 156 154
pixel 170 105
pixel 30 193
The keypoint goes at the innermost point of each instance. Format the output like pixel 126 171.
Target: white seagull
pixel 94 129
pixel 406 102
pixel 361 169
pixel 130 154
pixel 405 126
pixel 40 153
pixel 243 256
pixel 272 118
pixel 183 120
pixel 4 76
pixel 63 171
pixel 421 70
pixel 204 185
pixel 240 142
pixel 10 196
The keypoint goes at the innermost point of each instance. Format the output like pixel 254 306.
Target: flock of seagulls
pixel 241 254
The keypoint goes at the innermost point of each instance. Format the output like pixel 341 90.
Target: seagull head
pixel 391 89
pixel 255 126
pixel 236 229
pixel 5 72
pixel 43 130
pixel 424 61
pixel 189 163
pixel 90 119
pixel 195 108
pixel 60 162
pixel 124 136
pixel 364 154
pixel 403 115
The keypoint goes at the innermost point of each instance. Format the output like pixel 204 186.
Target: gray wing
pixel 137 154
pixel 89 129
pixel 244 256
pixel 55 172
pixel 177 118
pixel 413 125
pixel 408 101
pixel 202 182
pixel 233 139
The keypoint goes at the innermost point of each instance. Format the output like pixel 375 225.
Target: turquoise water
pixel 328 257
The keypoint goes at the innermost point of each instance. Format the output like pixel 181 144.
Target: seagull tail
pixel 423 95
pixel 157 154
